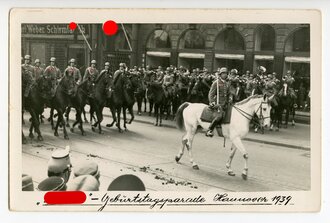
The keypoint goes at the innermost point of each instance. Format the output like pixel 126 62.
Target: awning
pixel 229 56
pixel 297 59
pixel 158 54
pixel 192 55
pixel 263 57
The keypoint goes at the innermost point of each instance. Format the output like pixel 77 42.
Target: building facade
pixel 277 47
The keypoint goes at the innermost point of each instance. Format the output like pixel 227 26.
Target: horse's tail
pixel 179 116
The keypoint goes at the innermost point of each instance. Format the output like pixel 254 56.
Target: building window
pixel 265 38
pixel 192 39
pixel 159 39
pixel 117 42
pixel 229 39
pixel 299 41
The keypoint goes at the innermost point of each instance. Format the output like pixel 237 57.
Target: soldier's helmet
pixel 262 69
pixel 37 61
pixel 234 71
pixel 72 60
pixel 93 62
pixel 223 70
pixel 27 57
pixel 52 59
pixel 107 64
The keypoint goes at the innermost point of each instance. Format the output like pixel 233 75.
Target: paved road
pixel 149 151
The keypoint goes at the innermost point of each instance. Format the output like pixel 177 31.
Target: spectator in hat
pixel 27 183
pixel 60 164
pixel 86 168
pixel 53 183
pixel 83 183
pixel 127 182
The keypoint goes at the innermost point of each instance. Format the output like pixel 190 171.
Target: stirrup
pixel 209 133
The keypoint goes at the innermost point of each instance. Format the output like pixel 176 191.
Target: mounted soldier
pixel 73 71
pixel 288 81
pixel 219 97
pixel 54 74
pixel 27 75
pixel 168 81
pixel 91 73
pixel 38 71
pixel 159 75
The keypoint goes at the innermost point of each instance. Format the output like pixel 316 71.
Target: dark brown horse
pixel 65 90
pixel 39 95
pixel 116 99
pixel 159 99
pixel 78 102
pixel 98 101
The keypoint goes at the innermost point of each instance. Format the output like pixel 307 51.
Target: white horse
pixel 188 118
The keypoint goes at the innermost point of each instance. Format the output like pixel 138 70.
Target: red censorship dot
pixel 110 27
pixel 65 197
pixel 73 25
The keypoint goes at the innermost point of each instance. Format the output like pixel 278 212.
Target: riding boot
pixel 214 123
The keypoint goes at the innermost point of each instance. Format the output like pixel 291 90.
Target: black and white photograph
pixel 220 108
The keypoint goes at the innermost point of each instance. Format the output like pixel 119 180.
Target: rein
pixel 250 117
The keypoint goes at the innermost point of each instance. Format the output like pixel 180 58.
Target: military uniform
pixel 74 72
pixel 219 93
pixel 168 81
pixel 54 74
pixel 27 77
pixel 91 74
pixel 37 71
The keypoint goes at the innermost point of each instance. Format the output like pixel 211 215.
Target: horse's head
pixel 262 110
pixel 44 85
pixel 285 89
pixel 68 84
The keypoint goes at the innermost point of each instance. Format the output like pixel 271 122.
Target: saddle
pixel 209 114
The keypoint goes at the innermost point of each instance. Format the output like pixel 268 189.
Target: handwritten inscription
pixel 225 198
pixel 148 200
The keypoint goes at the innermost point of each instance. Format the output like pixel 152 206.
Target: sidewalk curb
pixel 245 139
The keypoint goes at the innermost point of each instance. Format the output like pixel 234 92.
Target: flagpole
pixel 217 88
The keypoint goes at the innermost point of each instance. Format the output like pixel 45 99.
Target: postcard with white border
pixel 166 110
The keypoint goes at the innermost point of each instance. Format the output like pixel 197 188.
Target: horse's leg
pixel 230 159
pixel 56 126
pixel 51 119
pixel 130 109
pixel 24 141
pixel 239 145
pixel 124 115
pixel 190 136
pixel 84 113
pixel 139 103
pixel 31 127
pixel 156 114
pixel 287 112
pixel 60 115
pixel 114 119
pixel 99 114
pixel 161 113
pixel 67 114
pixel 181 150
pixel 151 105
pixel 293 115
pixel 145 103
pixel 118 119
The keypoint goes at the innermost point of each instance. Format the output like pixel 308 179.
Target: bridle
pixel 250 117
